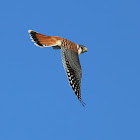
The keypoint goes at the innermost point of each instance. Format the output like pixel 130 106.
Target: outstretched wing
pixel 72 66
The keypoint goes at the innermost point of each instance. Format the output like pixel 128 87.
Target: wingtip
pixel 83 103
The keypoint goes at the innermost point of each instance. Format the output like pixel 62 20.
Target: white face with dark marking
pixel 81 49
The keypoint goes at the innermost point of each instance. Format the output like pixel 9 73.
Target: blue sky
pixel 36 101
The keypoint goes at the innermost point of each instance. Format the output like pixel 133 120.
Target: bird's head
pixel 82 49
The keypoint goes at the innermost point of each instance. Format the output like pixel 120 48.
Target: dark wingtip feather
pixel 83 104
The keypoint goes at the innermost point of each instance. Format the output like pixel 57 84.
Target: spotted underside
pixel 72 66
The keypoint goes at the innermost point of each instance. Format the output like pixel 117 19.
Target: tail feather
pixel 44 40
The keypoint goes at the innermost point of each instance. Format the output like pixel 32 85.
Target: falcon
pixel 70 57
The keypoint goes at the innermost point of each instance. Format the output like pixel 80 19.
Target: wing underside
pixel 72 66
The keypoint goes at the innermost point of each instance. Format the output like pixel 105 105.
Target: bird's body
pixel 70 58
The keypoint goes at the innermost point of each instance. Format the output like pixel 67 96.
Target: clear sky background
pixel 36 101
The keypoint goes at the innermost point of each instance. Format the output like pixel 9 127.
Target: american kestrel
pixel 70 58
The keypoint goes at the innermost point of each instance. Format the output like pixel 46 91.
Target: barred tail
pixel 44 40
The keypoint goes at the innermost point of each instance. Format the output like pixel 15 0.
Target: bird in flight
pixel 70 58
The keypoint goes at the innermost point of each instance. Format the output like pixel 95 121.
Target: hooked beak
pixel 85 49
